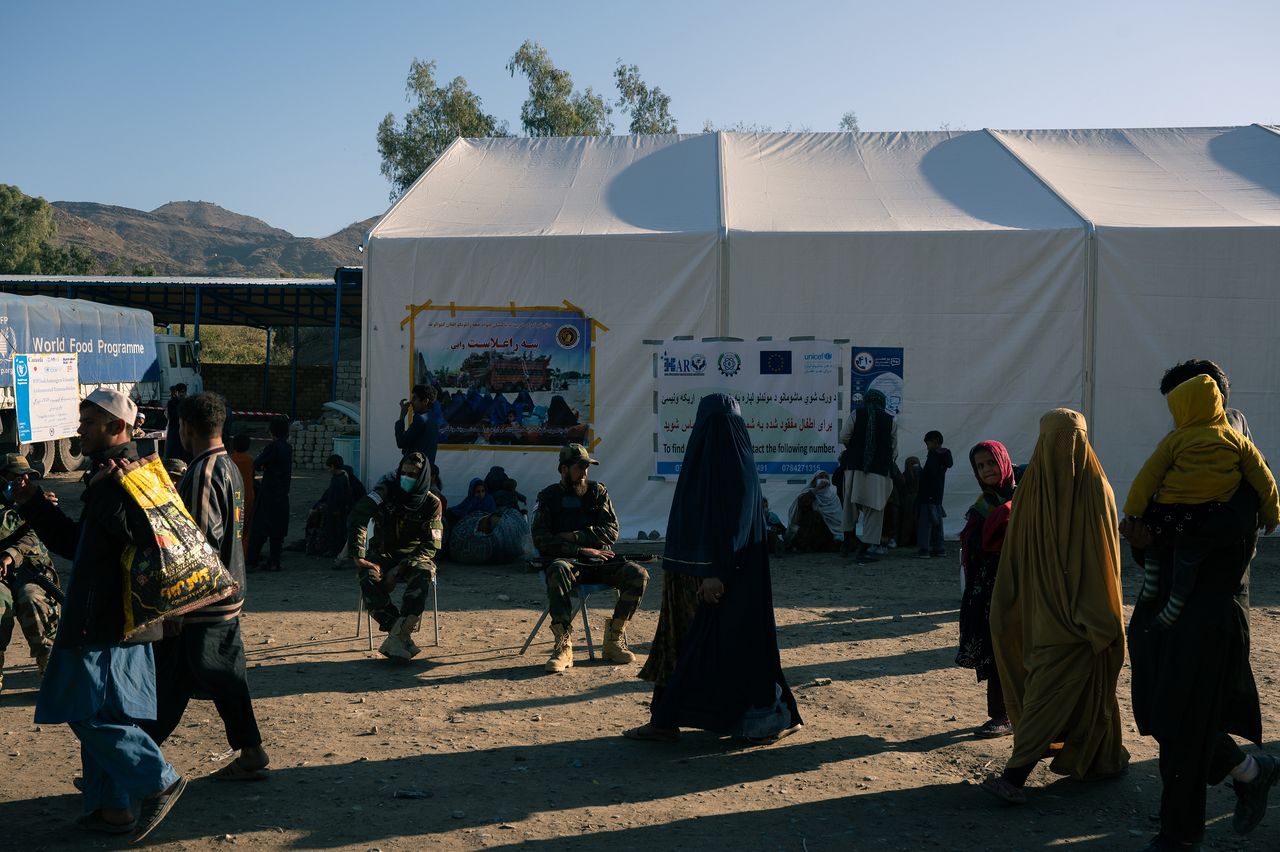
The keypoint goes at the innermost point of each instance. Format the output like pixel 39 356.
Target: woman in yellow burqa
pixel 1056 620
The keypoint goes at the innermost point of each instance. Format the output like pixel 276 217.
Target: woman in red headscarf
pixel 980 544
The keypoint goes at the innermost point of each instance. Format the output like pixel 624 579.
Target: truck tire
pixel 40 455
pixel 68 455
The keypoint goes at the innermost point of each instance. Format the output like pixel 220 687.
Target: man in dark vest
pixel 574 524
pixel 871 448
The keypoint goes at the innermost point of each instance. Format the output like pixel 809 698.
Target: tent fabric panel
pixel 1170 295
pixel 854 182
pixel 641 287
pixel 992 324
pixel 563 186
pixel 1167 177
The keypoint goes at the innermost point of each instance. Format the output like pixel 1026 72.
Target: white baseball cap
pixel 116 403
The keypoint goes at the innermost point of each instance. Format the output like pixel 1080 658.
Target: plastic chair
pixel 584 590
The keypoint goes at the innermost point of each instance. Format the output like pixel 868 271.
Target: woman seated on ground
pixel 1056 622
pixel 494 538
pixel 816 517
pixel 981 541
pixel 714 660
pixel 477 500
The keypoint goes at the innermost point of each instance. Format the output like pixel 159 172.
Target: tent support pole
pixel 337 334
pixel 293 373
pixel 266 372
pixel 722 296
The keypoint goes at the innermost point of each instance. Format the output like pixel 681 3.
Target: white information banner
pixel 46 390
pixel 788 391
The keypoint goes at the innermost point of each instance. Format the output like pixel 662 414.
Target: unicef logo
pixel 729 364
pixel 863 362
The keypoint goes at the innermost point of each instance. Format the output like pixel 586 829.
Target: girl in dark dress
pixel 980 544
pixel 727 675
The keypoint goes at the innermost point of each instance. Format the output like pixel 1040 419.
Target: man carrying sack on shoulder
pixel 97 682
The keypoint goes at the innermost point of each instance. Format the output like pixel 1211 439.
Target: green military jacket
pixel 590 517
pixel 399 533
pixel 21 543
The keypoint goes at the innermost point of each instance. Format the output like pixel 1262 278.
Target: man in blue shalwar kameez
pixel 95 682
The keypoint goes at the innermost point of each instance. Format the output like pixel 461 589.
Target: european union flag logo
pixel 775 362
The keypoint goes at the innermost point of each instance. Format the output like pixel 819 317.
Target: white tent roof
pixel 1201 177
pixel 1021 270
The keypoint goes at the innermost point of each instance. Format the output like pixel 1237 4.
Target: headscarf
pixel 559 413
pixel 472 503
pixel 873 404
pixel 523 404
pixel 716 511
pixel 495 480
pixel 825 501
pixel 498 411
pixel 988 516
pixel 415 496
pixel 1056 620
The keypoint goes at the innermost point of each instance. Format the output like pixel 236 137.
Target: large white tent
pixel 1020 270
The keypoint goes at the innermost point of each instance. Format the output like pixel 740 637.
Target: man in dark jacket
pixel 933 481
pixel 202 653
pixel 271 502
pixel 408 529
pixel 95 682
pixel 173 448
pixel 422 436
pixel 575 526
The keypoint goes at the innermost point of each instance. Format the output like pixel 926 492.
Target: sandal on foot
pixel 234 771
pixel 1002 789
pixel 95 822
pixel 156 808
pixel 650 733
pixel 770 740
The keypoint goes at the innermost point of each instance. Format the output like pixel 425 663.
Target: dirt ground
pixel 499 754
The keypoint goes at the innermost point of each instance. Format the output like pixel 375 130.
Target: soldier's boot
pixel 394 646
pixel 562 654
pixel 410 624
pixel 615 648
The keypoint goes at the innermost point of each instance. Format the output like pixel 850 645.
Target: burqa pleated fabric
pixel 728 676
pixel 1056 619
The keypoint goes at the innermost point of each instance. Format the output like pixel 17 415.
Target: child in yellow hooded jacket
pixel 1194 470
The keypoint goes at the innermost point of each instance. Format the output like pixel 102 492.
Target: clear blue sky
pixel 269 108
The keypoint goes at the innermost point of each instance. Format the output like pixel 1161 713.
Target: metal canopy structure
pixel 263 303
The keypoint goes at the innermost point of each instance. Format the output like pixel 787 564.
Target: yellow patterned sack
pixel 176 571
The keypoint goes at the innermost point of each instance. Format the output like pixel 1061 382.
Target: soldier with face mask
pixel 407 531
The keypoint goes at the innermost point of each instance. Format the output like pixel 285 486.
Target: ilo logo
pixel 864 361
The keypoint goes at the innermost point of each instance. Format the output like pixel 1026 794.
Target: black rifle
pixel 541 562
pixel 24 573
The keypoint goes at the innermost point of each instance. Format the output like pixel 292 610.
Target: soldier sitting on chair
pixel 575 525
pixel 24 594
pixel 407 531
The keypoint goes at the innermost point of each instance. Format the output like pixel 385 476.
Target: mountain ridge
pixel 201 238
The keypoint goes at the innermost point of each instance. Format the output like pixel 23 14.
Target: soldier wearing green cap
pixel 574 523
pixel 22 557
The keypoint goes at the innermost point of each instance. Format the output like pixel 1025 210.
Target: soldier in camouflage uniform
pixel 32 606
pixel 407 531
pixel 575 524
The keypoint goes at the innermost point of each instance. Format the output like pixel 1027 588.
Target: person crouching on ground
pixel 574 524
pixel 407 532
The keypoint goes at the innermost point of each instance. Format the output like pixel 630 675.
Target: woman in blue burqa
pixel 714 661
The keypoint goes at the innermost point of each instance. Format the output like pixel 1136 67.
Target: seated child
pixel 1182 488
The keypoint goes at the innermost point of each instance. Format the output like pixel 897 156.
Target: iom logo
pixel 691 365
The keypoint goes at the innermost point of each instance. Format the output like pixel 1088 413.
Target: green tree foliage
pixel 650 108
pixel 28 239
pixel 440 114
pixel 553 108
pixel 849 122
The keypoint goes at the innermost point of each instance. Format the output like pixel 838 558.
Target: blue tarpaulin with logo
pixel 113 344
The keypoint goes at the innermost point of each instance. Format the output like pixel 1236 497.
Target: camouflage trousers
pixel 376 588
pixel 628 578
pixel 32 608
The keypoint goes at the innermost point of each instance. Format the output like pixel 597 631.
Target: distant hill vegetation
pixel 200 238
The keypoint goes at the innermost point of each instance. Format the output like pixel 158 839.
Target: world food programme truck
pixel 107 346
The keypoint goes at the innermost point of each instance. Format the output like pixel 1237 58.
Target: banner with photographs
pixel 515 378
pixel 876 368
pixel 788 392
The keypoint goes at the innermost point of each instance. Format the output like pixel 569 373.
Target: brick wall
pixel 241 384
pixel 348 382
